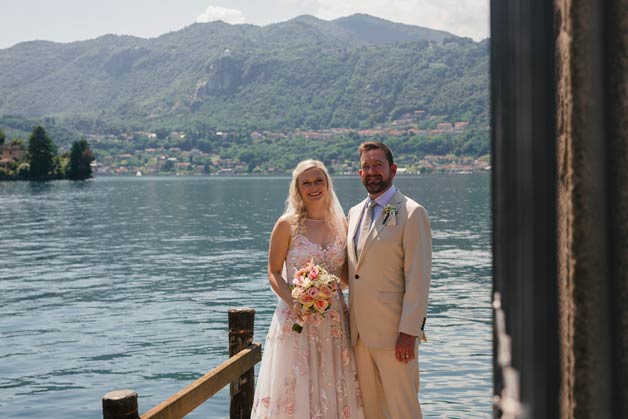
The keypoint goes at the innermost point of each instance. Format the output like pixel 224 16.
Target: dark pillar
pixel 241 322
pixel 592 58
pixel 524 198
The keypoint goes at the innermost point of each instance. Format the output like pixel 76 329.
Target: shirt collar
pixel 383 199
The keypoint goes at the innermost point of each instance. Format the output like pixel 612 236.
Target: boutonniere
pixel 390 213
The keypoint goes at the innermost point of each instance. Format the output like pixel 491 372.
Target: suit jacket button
pixel 357 276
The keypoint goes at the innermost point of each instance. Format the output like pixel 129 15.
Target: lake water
pixel 125 283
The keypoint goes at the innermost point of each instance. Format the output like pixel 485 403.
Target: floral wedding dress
pixel 309 374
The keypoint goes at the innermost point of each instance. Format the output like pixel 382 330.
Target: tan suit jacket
pixel 389 281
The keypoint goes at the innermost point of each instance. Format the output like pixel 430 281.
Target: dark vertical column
pixel 593 205
pixel 583 212
pixel 241 323
pixel 524 196
pixel 616 53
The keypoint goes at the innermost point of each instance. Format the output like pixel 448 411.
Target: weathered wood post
pixel 120 404
pixel 241 321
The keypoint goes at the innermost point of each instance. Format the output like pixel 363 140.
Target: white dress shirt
pixel 380 202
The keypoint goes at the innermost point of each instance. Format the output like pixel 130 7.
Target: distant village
pixel 175 161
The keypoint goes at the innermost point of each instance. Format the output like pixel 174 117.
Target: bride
pixel 309 374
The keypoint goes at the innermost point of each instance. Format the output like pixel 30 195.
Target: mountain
pixel 376 31
pixel 303 73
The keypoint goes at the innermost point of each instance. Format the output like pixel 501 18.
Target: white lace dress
pixel 309 374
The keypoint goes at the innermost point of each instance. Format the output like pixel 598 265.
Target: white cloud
pixel 213 13
pixel 460 17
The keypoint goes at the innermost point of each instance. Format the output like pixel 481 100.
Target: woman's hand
pixel 296 309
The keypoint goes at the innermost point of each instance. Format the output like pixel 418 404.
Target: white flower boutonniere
pixel 390 213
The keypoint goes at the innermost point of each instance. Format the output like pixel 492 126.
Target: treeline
pixel 283 154
pixel 39 160
pixel 280 153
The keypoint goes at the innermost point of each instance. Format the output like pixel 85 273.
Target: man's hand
pixel 404 348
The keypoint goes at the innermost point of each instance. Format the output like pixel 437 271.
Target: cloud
pixel 461 17
pixel 213 13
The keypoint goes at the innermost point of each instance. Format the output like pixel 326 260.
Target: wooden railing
pixel 238 371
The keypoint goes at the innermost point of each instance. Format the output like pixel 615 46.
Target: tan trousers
pixel 389 388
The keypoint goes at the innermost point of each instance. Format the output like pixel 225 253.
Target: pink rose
pixel 325 291
pixel 266 402
pixel 312 292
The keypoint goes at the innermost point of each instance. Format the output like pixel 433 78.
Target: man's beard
pixel 377 186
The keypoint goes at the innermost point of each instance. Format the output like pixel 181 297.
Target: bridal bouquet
pixel 312 287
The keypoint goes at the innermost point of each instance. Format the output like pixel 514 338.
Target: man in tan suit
pixel 390 261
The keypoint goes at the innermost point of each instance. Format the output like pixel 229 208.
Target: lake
pixel 123 282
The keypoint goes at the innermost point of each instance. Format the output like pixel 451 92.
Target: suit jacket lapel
pixel 373 233
pixel 378 225
pixel 353 228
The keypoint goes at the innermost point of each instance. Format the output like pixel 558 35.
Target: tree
pixel 168 166
pixel 80 158
pixel 42 152
pixel 2 137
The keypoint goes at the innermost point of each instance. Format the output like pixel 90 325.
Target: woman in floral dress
pixel 309 374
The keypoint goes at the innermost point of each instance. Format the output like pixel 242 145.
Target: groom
pixel 390 260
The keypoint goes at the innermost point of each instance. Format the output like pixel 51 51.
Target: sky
pixel 77 20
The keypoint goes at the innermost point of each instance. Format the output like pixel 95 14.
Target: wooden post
pixel 241 322
pixel 120 404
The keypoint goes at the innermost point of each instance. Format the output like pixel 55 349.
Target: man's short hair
pixel 376 145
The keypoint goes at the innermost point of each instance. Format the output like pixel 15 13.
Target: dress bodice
pixel 302 250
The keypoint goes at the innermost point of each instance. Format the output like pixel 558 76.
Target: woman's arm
pixel 278 249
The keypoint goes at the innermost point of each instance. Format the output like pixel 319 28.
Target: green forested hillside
pixel 305 73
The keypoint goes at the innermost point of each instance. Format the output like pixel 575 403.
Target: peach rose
pixel 306 300
pixel 321 305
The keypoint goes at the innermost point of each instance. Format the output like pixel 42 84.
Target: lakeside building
pixel 11 153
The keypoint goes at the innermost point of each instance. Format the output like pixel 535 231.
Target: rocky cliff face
pixel 225 75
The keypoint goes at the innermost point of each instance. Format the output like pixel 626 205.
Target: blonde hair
pixel 295 208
